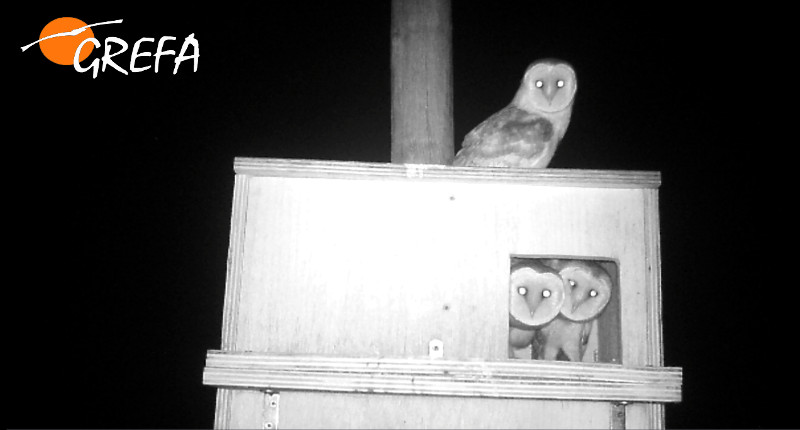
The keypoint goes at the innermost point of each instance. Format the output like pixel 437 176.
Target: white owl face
pixel 536 295
pixel 548 86
pixel 588 289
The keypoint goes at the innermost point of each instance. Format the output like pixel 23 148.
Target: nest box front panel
pixel 381 268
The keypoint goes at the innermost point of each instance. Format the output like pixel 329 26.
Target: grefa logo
pixel 68 41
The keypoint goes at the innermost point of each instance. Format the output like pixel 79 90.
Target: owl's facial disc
pixel 589 295
pixel 537 294
pixel 548 86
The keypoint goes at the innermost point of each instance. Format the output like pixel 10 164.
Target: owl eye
pixel 572 283
pixel 593 293
pixel 546 293
pixel 560 83
pixel 522 291
pixel 539 83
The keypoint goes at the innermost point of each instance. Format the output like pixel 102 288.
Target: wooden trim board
pixel 360 170
pixel 503 379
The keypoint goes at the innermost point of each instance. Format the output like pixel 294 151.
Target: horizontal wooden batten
pixel 503 379
pixel 360 170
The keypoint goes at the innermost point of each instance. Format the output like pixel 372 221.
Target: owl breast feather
pixel 510 138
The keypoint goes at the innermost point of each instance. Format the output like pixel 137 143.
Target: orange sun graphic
pixel 61 50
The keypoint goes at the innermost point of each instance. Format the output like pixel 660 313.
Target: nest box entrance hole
pixel 564 308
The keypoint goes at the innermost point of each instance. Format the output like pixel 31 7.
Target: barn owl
pixel 588 290
pixel 536 297
pixel 526 133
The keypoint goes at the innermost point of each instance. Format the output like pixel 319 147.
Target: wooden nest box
pixel 377 296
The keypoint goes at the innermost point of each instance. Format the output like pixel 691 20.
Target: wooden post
pixel 422 82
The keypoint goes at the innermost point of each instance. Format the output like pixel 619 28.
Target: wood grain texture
pixel 224 401
pixel 320 410
pixel 506 379
pixel 381 171
pixel 246 410
pixel 233 284
pixel 222 408
pixel 342 260
pixel 353 410
pixel 654 412
pixel 422 82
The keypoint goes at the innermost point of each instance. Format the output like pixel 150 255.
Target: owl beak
pixel 549 94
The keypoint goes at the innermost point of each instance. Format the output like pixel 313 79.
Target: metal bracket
pixel 618 415
pixel 271 407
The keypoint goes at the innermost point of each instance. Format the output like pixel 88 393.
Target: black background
pixel 121 186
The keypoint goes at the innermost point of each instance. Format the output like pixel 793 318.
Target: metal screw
pixel 436 348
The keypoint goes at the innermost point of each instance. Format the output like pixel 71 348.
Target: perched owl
pixel 588 290
pixel 536 296
pixel 526 133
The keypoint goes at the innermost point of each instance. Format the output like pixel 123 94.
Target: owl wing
pixel 511 137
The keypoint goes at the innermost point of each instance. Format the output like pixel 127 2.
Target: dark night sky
pixel 122 187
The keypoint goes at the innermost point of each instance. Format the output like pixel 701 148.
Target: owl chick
pixel 588 291
pixel 536 297
pixel 527 132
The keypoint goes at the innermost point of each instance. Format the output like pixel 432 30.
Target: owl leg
pixel 537 345
pixel 545 345
pixel 549 352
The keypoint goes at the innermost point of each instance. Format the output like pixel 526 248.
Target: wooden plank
pixel 380 171
pixel 233 283
pixel 245 410
pixel 600 372
pixel 233 287
pixel 306 409
pixel 652 265
pixel 222 408
pixel 505 379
